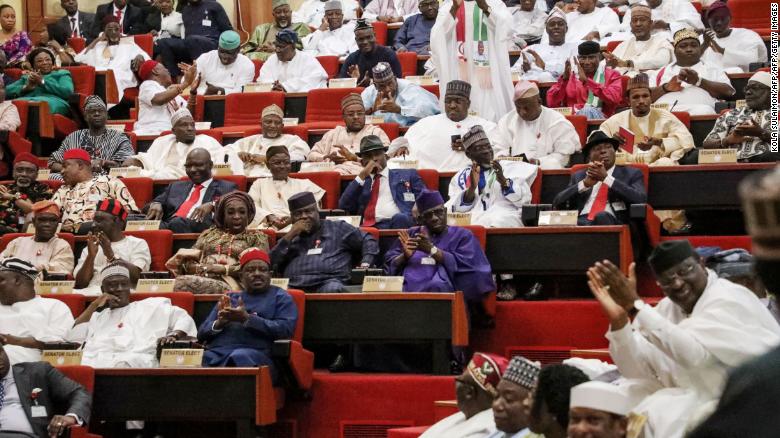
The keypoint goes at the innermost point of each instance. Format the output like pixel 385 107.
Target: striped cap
pixel 114 270
pixel 112 207
pixel 473 135
pixel 20 266
pixel 522 371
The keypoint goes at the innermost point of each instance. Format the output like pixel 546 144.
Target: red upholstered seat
pixel 330 64
pixel 258 65
pixel 328 181
pixel 380 30
pixel 684 117
pixel 324 104
pixel 5 239
pixel 750 14
pixel 245 108
pixel 239 180
pixel 271 234
pixel 23 107
pixel 391 129
pixel 407 432
pixel 433 89
pixel 63 126
pixel 430 177
pixel 14 73
pixel 146 42
pixel 185 300
pixel 83 79
pixel 141 189
pixel 612 45
pixel 160 245
pixel 77 43
pixel 83 375
pixel 75 302
pixel 581 125
pixel 408 61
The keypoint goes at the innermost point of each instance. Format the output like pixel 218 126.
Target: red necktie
pixel 369 217
pixel 600 203
pixel 460 24
pixel 185 208
pixel 119 16
pixel 74 32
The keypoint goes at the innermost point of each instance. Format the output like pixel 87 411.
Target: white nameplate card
pixel 318 166
pixel 504 158
pixel 663 106
pixel 155 285
pixel 58 358
pixel 383 284
pixel 31 228
pixel 142 225
pixel 181 358
pixel 352 220
pixel 55 287
pixel 281 283
pixel 717 156
pixel 740 104
pixel 565 110
pixel 420 80
pixel 258 87
pixel 621 158
pixel 403 164
pixel 376 120
pixel 125 172
pixel 222 170
pixel 342 83
pixel 202 126
pixel 290 121
pixel 557 218
pixel 120 128
pixel 43 174
pixel 459 219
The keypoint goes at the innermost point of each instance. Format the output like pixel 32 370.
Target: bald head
pixel 198 165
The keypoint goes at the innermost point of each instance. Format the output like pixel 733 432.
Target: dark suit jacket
pixel 175 194
pixel 132 23
pixel 355 197
pixel 60 395
pixel 86 24
pixel 153 21
pixel 629 188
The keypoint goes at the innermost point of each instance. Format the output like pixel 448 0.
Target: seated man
pixel 591 23
pixel 415 34
pixel 291 70
pixel 242 327
pixel 224 71
pixel 543 136
pixel 509 406
pixel 529 22
pixel 689 84
pixel 436 257
pixel 117 333
pixel 602 193
pixel 435 141
pixel 17 198
pixel 748 128
pixel 312 12
pixel 642 50
pixel 181 207
pixel 44 250
pixel 493 198
pixel 28 321
pixel 475 390
pixel 590 88
pixel 107 147
pixel 261 43
pixel 271 194
pixel 360 63
pixel 679 352
pixel 106 53
pixel 159 98
pixel 660 138
pixel 544 62
pixel 251 150
pixel 383 197
pixel 317 255
pixel 166 157
pixel 598 409
pixel 54 390
pixel 341 143
pixel 76 197
pixel 389 11
pixel 397 100
pixel 548 404
pixel 730 48
pixel 107 244
pixel 332 37
pixel 668 16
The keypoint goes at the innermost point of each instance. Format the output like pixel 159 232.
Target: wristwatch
pixel 698 83
pixel 433 251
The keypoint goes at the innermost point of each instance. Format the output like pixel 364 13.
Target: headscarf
pixel 219 212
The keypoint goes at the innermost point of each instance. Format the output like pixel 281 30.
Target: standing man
pixel 469 42
pixel 261 43
pixel 397 100
pixel 224 71
pixel 75 23
pixel 332 37
pixel 360 63
pixel 415 33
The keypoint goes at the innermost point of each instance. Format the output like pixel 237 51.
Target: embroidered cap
pixel 458 88
pixel 487 369
pixel 350 99
pixel 382 72
pixel 19 266
pixel 522 371
pixel 333 5
pixel 229 40
pixel 112 207
pixel 428 200
pixel 276 3
pixel 272 110
pixel 181 113
pixel 641 10
pixel 525 89
pixel 684 34
pixel 473 135
pixel 114 270
pixel 287 36
pixel 275 150
pixel 94 101
pixel 762 77
pixel 45 207
pixel 146 69
pixel 556 12
pixel 639 81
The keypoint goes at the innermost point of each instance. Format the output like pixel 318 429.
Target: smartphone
pixel 455 138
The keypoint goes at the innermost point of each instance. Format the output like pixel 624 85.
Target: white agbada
pixel 695 100
pixel 130 249
pixel 166 157
pixel 127 337
pixel 491 207
pixel 646 55
pixel 257 144
pixel 430 141
pixel 395 8
pixel 45 319
pixel 603 20
pixel 231 77
pixel 551 138
pixel 154 119
pixel 299 75
pixel 675 365
pixel 339 42
pixel 116 58
pixel 311 12
pixel 491 96
pixel 271 197
pixel 678 14
pixel 458 426
pixel 528 25
pixel 742 47
pixel 554 58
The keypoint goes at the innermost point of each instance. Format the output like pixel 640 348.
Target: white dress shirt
pixel 74 25
pixel 609 180
pixel 205 185
pixel 122 18
pixel 385 204
pixel 12 415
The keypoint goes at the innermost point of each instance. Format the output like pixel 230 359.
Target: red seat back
pixel 433 89
pixel 141 189
pixel 324 104
pixel 408 61
pixel 750 14
pixel 684 117
pixel 479 232
pixel 77 43
pixel 380 31
pixel 391 129
pixel 258 65
pixel 5 239
pixel 75 302
pixel 612 45
pixel 239 180
pixel 271 234
pixel 160 246
pixel 23 107
pixel 146 42
pixel 300 302
pixel 536 188
pixel 328 181
pixel 330 64
pixel 81 374
pixel 245 108
pixel 430 177
pixel 14 73
pixel 185 300
pixel 83 79
pixel 581 125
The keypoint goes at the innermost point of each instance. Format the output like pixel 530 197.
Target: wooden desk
pixel 242 395
pixel 105 86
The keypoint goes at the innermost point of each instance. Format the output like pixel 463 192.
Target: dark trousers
pixel 398 222
pixel 602 218
pixel 175 50
pixel 182 225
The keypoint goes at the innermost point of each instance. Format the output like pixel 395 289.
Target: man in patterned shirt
pixel 106 147
pixel 82 189
pixel 17 198
pixel 747 129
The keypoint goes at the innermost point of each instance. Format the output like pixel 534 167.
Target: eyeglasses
pixel 434 212
pixel 668 279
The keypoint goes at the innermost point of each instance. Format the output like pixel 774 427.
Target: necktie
pixel 185 208
pixel 119 15
pixel 369 217
pixel 73 30
pixel 600 203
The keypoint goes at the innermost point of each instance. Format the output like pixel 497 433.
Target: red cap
pixel 254 254
pixel 487 369
pixel 26 156
pixel 112 207
pixel 146 69
pixel 77 154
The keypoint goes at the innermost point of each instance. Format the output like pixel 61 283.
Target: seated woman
pixel 211 266
pixel 15 44
pixel 55 39
pixel 44 83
